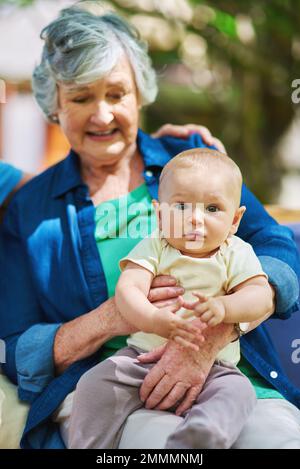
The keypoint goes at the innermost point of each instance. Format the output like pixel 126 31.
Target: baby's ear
pixel 237 219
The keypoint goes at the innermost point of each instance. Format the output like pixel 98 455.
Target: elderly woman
pixel 66 230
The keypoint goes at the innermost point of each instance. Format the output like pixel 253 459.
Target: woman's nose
pixel 102 114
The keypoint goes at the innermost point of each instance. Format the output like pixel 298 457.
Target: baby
pixel 198 215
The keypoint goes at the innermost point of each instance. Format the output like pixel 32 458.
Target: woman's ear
pixel 139 100
pixel 156 206
pixel 237 219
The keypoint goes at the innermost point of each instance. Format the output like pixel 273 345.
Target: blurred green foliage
pixel 21 3
pixel 238 80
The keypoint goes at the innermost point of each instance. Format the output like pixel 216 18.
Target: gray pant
pixel 108 393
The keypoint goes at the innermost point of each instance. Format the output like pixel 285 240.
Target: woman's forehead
pixel 121 75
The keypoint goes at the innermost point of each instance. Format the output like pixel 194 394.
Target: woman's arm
pixel 84 335
pixel 275 247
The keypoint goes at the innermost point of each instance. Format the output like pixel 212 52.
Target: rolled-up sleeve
pixel 286 285
pixel 34 359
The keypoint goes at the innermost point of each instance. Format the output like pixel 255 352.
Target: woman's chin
pixel 104 150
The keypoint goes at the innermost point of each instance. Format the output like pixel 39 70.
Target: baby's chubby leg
pixel 104 397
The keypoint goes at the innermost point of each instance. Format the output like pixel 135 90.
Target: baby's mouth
pixel 194 236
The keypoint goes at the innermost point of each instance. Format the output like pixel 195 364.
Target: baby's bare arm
pixel 131 296
pixel 249 301
pixel 131 300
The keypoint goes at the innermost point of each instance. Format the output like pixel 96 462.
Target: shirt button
pixel 274 374
pixel 149 173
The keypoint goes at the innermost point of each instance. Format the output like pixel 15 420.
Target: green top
pixel 120 225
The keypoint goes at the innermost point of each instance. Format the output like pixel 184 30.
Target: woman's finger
pixel 172 130
pixel 176 394
pixel 219 145
pixel 164 293
pixel 159 392
pixel 153 356
pixel 188 400
pixel 163 281
pixel 165 303
pixel 204 132
pixel 150 384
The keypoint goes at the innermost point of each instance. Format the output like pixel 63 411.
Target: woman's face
pixel 100 119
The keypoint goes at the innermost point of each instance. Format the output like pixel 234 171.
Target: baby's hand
pixel 168 325
pixel 210 310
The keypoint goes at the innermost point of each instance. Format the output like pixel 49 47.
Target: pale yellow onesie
pixel 232 264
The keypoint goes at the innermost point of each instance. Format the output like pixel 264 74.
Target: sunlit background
pixel 228 65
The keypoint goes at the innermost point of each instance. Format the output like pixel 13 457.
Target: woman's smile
pixel 102 135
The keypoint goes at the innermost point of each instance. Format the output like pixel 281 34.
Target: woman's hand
pixel 183 131
pixel 164 291
pixel 177 377
pixel 180 373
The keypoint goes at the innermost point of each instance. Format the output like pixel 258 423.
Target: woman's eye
pixel 80 99
pixel 116 96
pixel 212 208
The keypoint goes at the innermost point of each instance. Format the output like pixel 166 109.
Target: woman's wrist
pixel 83 336
pixel 111 322
pixel 216 338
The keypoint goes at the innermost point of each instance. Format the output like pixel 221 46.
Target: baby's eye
pixel 180 206
pixel 212 208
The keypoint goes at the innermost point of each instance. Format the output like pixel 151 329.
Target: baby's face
pixel 197 210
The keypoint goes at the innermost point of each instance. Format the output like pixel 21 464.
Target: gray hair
pixel 81 47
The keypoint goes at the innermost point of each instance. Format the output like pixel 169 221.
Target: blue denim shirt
pixel 53 274
pixel 9 178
